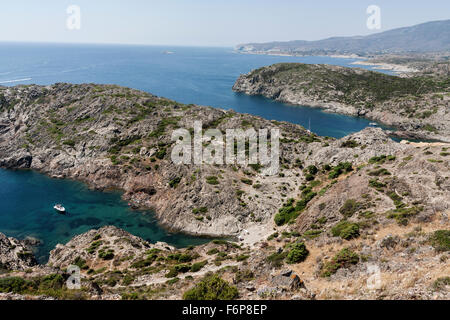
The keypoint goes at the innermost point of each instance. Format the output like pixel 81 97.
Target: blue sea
pixel 197 75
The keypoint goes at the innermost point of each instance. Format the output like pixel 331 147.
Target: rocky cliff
pixel 338 213
pixel 417 106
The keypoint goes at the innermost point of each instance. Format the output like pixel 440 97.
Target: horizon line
pixel 113 44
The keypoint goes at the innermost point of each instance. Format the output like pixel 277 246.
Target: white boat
pixel 373 124
pixel 59 208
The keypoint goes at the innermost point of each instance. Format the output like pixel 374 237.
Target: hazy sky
pixel 206 22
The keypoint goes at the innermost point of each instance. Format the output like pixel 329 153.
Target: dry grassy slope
pixel 410 265
pixel 411 175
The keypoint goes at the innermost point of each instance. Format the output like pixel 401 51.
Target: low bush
pixel 212 180
pixel 346 230
pixel 350 207
pixel 212 287
pixel 276 259
pixel 174 182
pixel 340 169
pixel 198 266
pixel 343 259
pixel 297 253
pixel 402 215
pixel 106 254
pixel 440 240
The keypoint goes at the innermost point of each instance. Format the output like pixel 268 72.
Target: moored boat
pixel 59 208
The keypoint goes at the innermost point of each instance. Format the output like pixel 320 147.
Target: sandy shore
pixel 386 66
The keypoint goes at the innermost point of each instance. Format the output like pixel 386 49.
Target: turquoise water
pixel 202 76
pixel 26 209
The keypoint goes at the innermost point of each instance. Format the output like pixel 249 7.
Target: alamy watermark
pixel 74 280
pixel 374 20
pixel 73 21
pixel 374 280
pixel 239 147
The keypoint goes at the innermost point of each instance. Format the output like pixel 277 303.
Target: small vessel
pixel 309 127
pixel 373 124
pixel 59 208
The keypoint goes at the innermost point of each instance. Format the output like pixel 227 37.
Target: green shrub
pixel 198 266
pixel 13 284
pixel 297 253
pixel 172 281
pixel 161 153
pixel 212 287
pixel 80 263
pixel 374 183
pixel 379 172
pixel 145 262
pixel 244 275
pixel 441 283
pixel 311 234
pixel 312 169
pixel 343 259
pixel 174 182
pixel 289 213
pixel 285 215
pixel 402 215
pixel 212 251
pixel 340 169
pixel 180 257
pixel 346 230
pixel 303 202
pixel 381 159
pixel 349 144
pixel 94 246
pixel 106 254
pixel 276 259
pixel 200 210
pixel 440 240
pixel 70 143
pixel 212 180
pixel 242 257
pixel 350 207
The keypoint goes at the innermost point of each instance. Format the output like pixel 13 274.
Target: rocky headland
pixel 417 106
pixel 337 208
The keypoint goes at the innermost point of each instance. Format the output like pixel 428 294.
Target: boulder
pixel 288 280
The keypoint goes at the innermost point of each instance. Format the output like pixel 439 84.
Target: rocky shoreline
pixel 423 118
pixel 363 196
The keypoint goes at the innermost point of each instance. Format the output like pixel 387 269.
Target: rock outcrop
pixel 417 106
pixel 362 217
pixel 15 254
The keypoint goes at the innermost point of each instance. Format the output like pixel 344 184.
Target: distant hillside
pixel 418 106
pixel 427 37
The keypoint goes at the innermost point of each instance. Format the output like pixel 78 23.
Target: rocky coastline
pixel 363 197
pixel 420 117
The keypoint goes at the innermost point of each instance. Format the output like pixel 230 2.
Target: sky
pixel 205 22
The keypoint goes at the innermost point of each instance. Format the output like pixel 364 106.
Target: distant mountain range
pixel 426 37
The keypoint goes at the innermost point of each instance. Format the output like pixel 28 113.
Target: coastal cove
pixel 27 198
pixel 203 76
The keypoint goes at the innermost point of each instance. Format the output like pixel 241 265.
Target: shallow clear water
pixel 26 209
pixel 202 76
